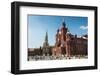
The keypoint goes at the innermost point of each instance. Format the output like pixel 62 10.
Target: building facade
pixel 68 44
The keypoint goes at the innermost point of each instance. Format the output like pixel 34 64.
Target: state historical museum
pixel 68 44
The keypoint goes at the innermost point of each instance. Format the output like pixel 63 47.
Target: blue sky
pixel 38 25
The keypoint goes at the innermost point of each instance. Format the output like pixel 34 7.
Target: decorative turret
pixel 58 36
pixel 58 31
pixel 63 31
pixel 63 24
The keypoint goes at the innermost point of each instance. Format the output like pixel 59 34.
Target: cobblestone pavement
pixel 36 58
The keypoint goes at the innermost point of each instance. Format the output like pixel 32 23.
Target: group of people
pixel 48 57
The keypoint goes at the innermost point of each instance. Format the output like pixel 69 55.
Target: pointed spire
pixel 46 37
pixel 58 31
pixel 63 19
pixel 46 40
pixel 63 24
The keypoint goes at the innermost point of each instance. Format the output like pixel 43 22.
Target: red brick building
pixel 68 44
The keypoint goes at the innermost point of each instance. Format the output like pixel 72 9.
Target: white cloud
pixel 83 27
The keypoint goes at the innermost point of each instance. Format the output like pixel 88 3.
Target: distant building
pixel 46 48
pixel 68 44
pixel 35 51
